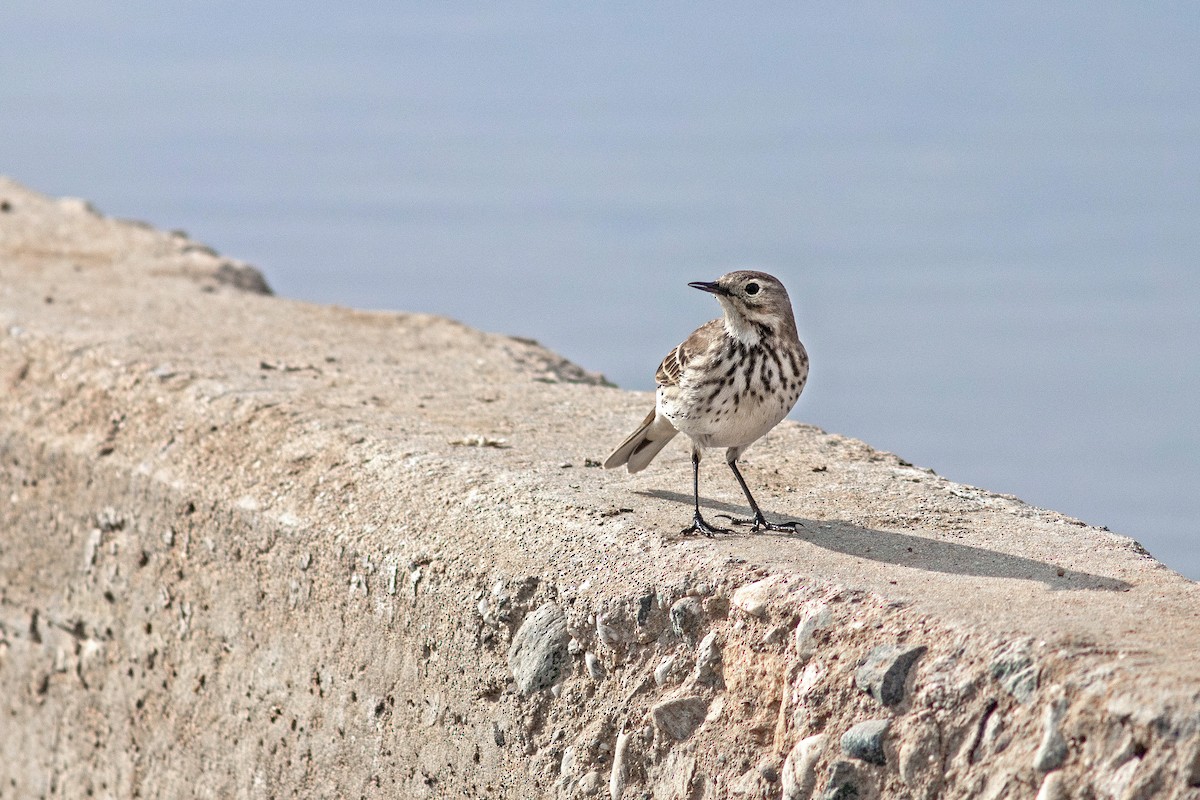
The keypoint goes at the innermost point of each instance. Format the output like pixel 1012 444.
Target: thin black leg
pixel 759 521
pixel 699 525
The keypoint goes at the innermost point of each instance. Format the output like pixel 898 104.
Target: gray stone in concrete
pixel 1016 671
pixel 686 613
pixel 708 660
pixel 1052 751
pixel 594 667
pixel 885 670
pixel 679 717
pixel 865 740
pixel 842 783
pixel 539 649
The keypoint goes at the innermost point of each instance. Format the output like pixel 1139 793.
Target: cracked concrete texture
pixel 252 547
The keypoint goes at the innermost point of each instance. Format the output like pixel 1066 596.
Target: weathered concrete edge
pixel 183 589
pixel 150 649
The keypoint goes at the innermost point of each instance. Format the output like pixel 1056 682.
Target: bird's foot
pixel 699 525
pixel 760 523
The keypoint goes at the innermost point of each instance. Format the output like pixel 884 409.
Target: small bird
pixel 729 383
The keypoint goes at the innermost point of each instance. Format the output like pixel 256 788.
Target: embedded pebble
pixel 1052 752
pixel 816 617
pixel 775 634
pixel 1118 785
pixel 645 606
pixel 608 631
pixel 885 670
pixel 748 784
pixel 589 784
pixel 663 670
pixel 566 767
pixel 620 773
pixel 865 741
pixel 1053 787
pixel 800 768
pixel 842 783
pixel 996 737
pixel 685 613
pixel 708 660
pixel 594 667
pixel 1016 672
pixel 752 599
pixel 680 716
pixel 539 649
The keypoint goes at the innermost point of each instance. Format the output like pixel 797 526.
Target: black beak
pixel 709 286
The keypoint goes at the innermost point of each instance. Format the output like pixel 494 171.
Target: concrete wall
pixel 256 548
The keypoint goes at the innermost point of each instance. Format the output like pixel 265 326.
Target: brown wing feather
pixel 670 368
pixel 695 345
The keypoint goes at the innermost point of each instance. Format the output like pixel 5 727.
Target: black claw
pixel 699 525
pixel 781 527
pixel 759 523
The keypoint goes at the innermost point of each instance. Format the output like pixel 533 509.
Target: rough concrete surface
pixel 251 547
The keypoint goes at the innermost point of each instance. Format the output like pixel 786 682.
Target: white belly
pixel 720 422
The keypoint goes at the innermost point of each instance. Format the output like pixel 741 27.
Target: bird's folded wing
pixel 695 346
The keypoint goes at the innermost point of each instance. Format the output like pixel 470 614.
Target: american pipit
pixel 729 383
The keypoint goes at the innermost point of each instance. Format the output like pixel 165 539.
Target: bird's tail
pixel 643 444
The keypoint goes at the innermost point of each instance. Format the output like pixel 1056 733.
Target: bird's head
pixel 755 304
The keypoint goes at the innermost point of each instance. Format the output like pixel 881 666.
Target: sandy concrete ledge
pixel 251 547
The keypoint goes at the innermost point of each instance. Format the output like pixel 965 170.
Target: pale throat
pixel 741 329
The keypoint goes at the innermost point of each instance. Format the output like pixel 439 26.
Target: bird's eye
pixel 752 288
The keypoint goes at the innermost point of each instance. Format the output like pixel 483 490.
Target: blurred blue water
pixel 988 215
